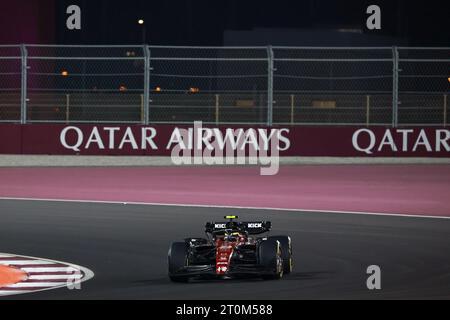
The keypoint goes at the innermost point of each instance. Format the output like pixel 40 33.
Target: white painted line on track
pixel 54 277
pixel 67 270
pixel 384 214
pixel 12 293
pixel 37 284
pixel 25 262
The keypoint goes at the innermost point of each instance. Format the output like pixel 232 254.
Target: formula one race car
pixel 231 251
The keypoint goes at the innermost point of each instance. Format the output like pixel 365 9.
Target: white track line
pixel 12 293
pixel 25 262
pixel 55 277
pixel 67 269
pixel 37 285
pixel 384 214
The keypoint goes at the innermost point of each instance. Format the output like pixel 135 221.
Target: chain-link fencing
pixel 213 85
pixel 85 84
pixel 224 85
pixel 333 86
pixel 424 86
pixel 10 83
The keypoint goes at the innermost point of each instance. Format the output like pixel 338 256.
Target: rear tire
pixel 177 259
pixel 269 253
pixel 286 252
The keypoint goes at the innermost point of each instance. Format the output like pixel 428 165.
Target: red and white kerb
pixel 22 274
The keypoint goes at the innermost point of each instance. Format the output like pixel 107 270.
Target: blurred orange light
pixel 122 88
pixel 448 79
pixel 64 73
pixel 194 90
pixel 158 89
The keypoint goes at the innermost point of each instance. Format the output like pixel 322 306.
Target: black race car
pixel 231 249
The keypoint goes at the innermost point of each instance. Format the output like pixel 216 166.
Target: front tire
pixel 177 259
pixel 269 253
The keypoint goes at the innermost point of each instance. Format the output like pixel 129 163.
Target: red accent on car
pixel 224 252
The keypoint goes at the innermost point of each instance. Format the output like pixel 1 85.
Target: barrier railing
pixel 386 86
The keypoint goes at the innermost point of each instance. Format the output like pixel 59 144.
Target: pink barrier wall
pixel 155 140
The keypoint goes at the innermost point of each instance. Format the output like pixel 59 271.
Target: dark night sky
pixel 202 22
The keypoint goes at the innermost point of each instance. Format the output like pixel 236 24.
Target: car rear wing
pixel 253 227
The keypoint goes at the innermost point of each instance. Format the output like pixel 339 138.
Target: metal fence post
pixel 270 71
pixel 292 109
pixel 217 109
pixel 67 108
pixel 147 69
pixel 445 110
pixel 395 102
pixel 23 89
pixel 142 109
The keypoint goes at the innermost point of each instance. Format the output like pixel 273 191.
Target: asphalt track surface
pixel 126 247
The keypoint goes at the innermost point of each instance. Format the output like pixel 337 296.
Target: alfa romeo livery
pixel 231 249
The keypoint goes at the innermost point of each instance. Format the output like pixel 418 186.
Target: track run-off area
pixel 402 227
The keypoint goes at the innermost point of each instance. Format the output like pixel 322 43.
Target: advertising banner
pixel 161 140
